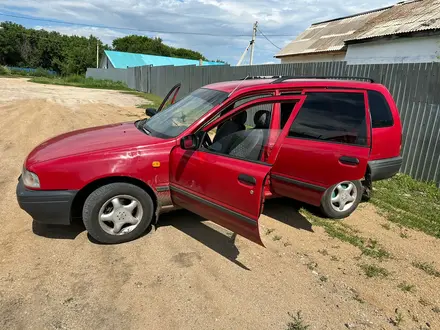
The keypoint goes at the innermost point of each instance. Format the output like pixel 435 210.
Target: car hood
pixel 89 140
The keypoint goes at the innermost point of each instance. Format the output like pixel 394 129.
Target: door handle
pixel 247 179
pixel 349 160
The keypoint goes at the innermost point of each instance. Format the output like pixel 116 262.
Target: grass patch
pixel 405 287
pixel 81 81
pixel 374 271
pixel 323 278
pixel 157 100
pixel 345 233
pixel 276 238
pixel 427 268
pixel 409 202
pixel 297 322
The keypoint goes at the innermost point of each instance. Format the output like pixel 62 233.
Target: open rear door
pixel 225 189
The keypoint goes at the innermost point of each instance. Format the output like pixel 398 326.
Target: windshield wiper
pixel 146 131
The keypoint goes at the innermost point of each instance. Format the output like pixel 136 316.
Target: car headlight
pixel 30 179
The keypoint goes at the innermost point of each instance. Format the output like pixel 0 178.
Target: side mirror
pixel 189 142
pixel 150 112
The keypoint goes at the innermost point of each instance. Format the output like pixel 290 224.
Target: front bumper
pixel 46 206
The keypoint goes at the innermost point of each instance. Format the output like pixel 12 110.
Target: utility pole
pixel 254 35
pixel 97 54
pixel 250 46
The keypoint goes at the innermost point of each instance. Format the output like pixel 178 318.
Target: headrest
pixel 240 118
pixel 262 119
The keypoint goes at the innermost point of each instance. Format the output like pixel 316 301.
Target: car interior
pixel 236 137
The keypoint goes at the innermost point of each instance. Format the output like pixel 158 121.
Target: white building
pixel 408 32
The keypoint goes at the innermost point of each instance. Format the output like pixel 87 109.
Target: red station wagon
pixel 220 152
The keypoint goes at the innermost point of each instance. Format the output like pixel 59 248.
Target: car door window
pixel 243 135
pixel 331 117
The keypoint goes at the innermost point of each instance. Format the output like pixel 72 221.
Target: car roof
pixel 229 86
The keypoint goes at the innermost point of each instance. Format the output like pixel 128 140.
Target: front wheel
pixel 117 213
pixel 341 199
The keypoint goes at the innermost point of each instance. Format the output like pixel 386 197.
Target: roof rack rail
pixel 260 77
pixel 283 78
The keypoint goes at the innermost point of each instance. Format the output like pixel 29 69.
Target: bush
pixel 4 71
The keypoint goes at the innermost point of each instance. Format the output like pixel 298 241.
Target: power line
pixel 134 29
pixel 268 39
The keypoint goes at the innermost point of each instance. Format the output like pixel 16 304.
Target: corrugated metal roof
pixel 402 18
pixel 331 36
pixel 327 36
pixel 122 60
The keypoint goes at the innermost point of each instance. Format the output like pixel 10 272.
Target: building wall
pixel 402 50
pixel 312 58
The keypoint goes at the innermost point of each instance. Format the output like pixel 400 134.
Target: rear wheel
pixel 117 213
pixel 340 200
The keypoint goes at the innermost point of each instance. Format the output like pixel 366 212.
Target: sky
pixel 280 20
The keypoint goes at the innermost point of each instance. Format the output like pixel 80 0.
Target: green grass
pixel 81 81
pixel 410 203
pixel 297 322
pixel 374 271
pixel 157 100
pixel 347 234
pixel 405 287
pixel 427 268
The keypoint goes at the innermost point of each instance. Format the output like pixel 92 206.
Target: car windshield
pixel 178 117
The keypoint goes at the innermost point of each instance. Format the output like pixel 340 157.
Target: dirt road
pixel 189 273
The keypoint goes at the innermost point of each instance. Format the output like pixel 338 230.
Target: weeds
pixel 297 322
pixel 427 268
pixel 386 226
pixel 424 302
pixel 276 238
pixel 374 271
pixel 358 298
pixel 323 278
pixel 405 287
pixel 409 202
pixel 324 252
pixel 269 231
pixel 312 265
pixel 398 319
pixel 334 258
pixel 368 247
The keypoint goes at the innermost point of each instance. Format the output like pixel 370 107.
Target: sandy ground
pixel 189 273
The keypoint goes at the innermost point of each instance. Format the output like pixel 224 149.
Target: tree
pixel 153 46
pixel 49 50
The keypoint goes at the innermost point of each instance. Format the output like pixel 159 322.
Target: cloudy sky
pixel 281 19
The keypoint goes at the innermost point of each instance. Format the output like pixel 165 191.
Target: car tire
pixel 341 199
pixel 117 213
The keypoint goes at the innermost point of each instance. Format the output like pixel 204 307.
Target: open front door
pixel 222 177
pixel 170 98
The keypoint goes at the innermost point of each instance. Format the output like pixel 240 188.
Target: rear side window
pixel 380 110
pixel 332 117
